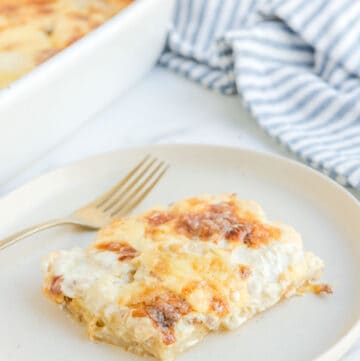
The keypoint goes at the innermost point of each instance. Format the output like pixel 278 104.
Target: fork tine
pixel 116 198
pixel 126 206
pixel 130 207
pixel 130 196
pixel 105 197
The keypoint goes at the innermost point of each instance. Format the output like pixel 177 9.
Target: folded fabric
pixel 295 64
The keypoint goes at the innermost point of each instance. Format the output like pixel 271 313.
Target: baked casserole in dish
pixel 50 101
pixel 31 31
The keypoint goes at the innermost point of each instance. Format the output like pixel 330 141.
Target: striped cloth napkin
pixel 295 64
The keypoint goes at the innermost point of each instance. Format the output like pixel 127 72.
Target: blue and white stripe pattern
pixel 295 63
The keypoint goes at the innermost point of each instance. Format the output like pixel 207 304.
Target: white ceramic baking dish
pixel 40 109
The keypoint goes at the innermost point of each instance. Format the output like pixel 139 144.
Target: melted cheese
pixel 31 31
pixel 216 274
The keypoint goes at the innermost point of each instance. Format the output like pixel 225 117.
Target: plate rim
pixel 94 157
pixel 343 344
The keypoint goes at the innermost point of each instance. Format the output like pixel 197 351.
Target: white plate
pixel 301 329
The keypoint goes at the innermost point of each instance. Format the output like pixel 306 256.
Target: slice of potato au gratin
pixel 157 283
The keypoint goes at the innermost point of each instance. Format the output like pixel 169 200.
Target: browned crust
pixel 219 306
pixel 165 309
pixel 55 287
pixel 122 249
pixel 316 288
pixel 52 288
pixel 213 222
pixel 245 271
pixel 157 218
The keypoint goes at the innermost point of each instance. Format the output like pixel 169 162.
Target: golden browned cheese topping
pixel 122 249
pixel 322 288
pixel 183 262
pixel 31 31
pixel 164 309
pixel 219 306
pixel 55 287
pixel 213 222
pixel 158 218
pixel 317 288
pixel 245 271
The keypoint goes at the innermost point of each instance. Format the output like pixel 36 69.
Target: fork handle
pixel 14 238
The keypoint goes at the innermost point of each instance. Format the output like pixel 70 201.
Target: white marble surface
pixel 163 108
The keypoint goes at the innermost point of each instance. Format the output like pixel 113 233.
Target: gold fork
pixel 117 202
